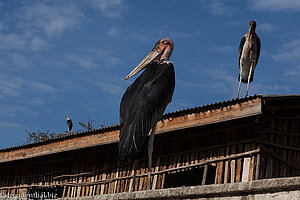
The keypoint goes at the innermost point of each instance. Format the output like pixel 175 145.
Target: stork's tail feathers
pixel 246 80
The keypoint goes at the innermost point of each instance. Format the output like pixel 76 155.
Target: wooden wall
pixel 218 153
pixel 279 141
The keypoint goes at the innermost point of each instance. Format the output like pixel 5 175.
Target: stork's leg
pixel 249 76
pixel 134 174
pixel 239 88
pixel 240 80
pixel 150 150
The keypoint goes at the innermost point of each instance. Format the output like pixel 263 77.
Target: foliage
pixel 90 125
pixel 39 136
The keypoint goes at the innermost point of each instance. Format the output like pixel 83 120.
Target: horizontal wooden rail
pixel 160 156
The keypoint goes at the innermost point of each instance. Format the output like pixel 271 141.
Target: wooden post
pixel 204 174
pixel 233 162
pixel 257 167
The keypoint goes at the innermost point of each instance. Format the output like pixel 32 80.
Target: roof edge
pixel 179 113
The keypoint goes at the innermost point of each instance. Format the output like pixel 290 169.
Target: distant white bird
pixel 69 123
pixel 249 51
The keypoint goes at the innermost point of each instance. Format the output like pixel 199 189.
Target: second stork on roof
pixel 249 51
pixel 69 123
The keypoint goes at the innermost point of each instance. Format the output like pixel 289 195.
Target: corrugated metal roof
pixel 116 127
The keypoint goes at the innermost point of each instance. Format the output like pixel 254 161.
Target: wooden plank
pixel 221 164
pixel 258 165
pixel 226 170
pixel 121 171
pixel 116 182
pixel 269 164
pixel 252 165
pixel 162 177
pixel 104 174
pixel 144 185
pixel 239 165
pixel 156 169
pixel 246 165
pixel 284 152
pixel 93 176
pixel 141 180
pixel 233 161
pixel 204 174
pixel 296 144
pixel 81 178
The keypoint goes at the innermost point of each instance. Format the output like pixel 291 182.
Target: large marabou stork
pixel 69 123
pixel 249 51
pixel 144 102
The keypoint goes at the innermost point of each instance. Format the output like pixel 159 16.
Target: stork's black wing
pixel 258 49
pixel 142 105
pixel 70 124
pixel 241 48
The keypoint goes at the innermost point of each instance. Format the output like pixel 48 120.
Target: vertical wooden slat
pixel 277 165
pixel 104 173
pixel 252 165
pixel 221 164
pixel 284 168
pixel 99 173
pixel 296 143
pixel 258 166
pixel 156 168
pixel 108 175
pixel 204 175
pixel 162 177
pixel 117 176
pixel 93 176
pixel 233 162
pixel 80 178
pixel 290 171
pixel 246 165
pixel 140 181
pixel 269 164
pixel 239 165
pixel 128 181
pixel 226 170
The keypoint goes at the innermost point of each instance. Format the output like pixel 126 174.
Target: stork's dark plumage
pixel 69 123
pixel 144 102
pixel 249 51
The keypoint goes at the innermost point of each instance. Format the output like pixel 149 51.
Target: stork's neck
pixel 165 62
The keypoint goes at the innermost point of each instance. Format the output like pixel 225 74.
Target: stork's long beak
pixel 251 30
pixel 151 56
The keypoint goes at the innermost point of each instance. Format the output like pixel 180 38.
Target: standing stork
pixel 248 56
pixel 69 123
pixel 144 102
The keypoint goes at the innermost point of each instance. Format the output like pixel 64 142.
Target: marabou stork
pixel 248 56
pixel 69 123
pixel 144 102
